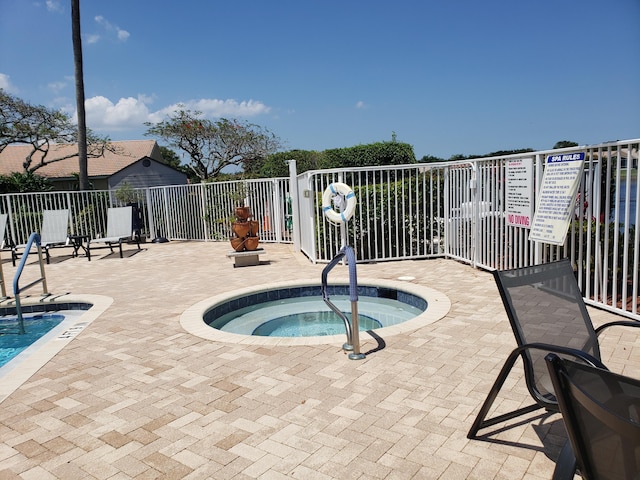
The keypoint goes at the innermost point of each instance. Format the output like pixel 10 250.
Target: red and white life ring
pixel 338 193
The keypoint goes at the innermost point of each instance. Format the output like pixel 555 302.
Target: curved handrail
pixel 33 238
pixel 353 339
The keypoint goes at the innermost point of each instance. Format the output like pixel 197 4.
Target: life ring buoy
pixel 344 192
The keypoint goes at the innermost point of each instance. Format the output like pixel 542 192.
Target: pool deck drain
pixel 135 395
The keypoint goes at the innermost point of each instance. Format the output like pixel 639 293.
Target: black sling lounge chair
pixel 547 314
pixel 601 413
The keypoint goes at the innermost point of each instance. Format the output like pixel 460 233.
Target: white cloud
pixel 57 87
pixel 121 35
pixel 215 108
pixel 132 113
pixel 93 38
pixel 6 85
pixel 103 114
pixel 53 6
pixel 361 104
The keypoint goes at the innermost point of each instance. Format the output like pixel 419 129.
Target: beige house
pixel 136 162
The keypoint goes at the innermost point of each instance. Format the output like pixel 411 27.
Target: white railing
pixel 450 209
pixel 205 211
pixel 458 210
pixel 88 212
pixel 399 215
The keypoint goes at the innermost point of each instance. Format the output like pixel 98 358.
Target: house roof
pixel 126 153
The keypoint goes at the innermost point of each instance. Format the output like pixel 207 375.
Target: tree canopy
pixel 213 146
pixel 373 154
pixel 564 144
pixel 41 127
pixel 19 182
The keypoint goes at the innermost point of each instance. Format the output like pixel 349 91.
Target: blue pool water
pixel 305 315
pixel 311 324
pixel 35 325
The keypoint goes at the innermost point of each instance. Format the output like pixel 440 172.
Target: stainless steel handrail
pixel 34 237
pixel 353 328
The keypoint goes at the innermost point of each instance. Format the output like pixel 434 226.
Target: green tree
pixel 41 127
pixel 213 146
pixel 564 144
pixel 374 154
pixel 431 159
pixel 170 157
pixel 19 182
pixel 276 165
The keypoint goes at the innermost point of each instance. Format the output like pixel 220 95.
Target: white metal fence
pixel 205 211
pixel 184 212
pixel 453 209
pixel 458 210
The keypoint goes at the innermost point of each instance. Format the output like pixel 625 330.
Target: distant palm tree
pixel 82 122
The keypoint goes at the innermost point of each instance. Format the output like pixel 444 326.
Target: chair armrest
pixel 617 323
pixel 573 352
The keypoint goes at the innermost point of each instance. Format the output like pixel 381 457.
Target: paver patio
pixel 136 396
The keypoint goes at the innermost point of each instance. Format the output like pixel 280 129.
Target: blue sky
pixel 447 76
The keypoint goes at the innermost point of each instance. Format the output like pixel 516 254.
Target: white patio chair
pixel 119 229
pixel 54 233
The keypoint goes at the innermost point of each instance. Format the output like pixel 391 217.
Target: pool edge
pixel 192 321
pixel 13 375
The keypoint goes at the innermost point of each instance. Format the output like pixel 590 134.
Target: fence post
pixel 538 251
pixel 295 203
pixel 473 186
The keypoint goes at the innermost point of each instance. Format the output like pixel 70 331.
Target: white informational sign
pixel 556 202
pixel 519 192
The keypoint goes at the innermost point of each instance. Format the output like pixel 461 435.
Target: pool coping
pixel 192 321
pixel 28 362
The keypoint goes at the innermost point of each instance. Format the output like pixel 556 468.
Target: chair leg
pixel 481 421
pixel 566 463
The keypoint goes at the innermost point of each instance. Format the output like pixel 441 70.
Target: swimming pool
pixel 301 312
pixel 414 299
pixel 78 311
pixel 12 342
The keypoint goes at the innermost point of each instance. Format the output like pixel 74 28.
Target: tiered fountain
pixel 245 231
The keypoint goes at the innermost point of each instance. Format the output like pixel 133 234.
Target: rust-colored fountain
pixel 245 231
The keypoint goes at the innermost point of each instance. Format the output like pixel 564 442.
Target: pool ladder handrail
pixel 34 237
pixel 3 287
pixel 352 328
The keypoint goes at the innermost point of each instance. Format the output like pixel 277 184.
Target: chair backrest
pixel 55 225
pixel 3 226
pixel 119 222
pixel 544 305
pixel 601 412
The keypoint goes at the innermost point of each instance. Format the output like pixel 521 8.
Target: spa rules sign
pixel 556 202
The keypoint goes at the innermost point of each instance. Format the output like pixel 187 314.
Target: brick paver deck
pixel 136 396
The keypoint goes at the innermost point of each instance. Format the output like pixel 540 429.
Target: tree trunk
pixel 82 122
